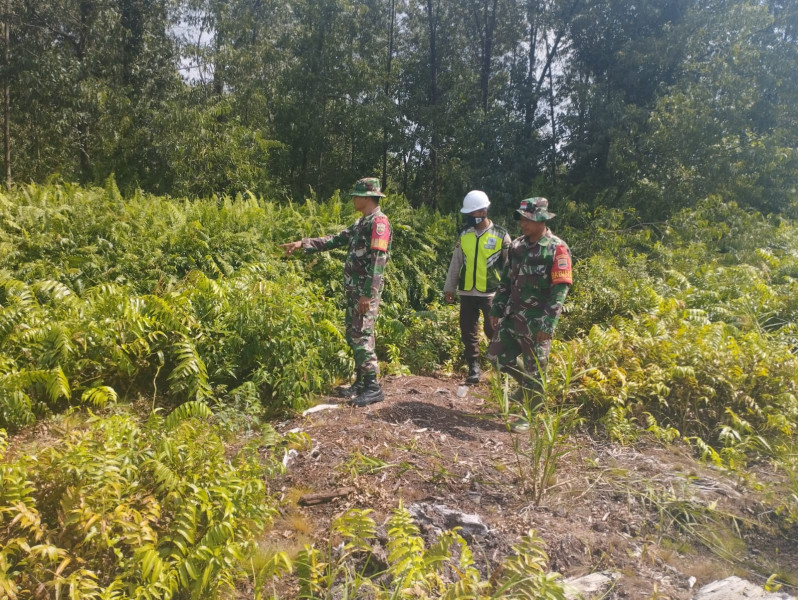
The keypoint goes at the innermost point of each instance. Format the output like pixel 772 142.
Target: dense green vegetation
pixel 688 325
pixel 190 300
pixel 143 330
pixel 119 509
pixel 685 328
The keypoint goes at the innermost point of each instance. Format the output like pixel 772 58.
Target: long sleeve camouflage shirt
pixel 535 281
pixel 369 243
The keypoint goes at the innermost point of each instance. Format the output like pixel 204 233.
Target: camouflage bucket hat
pixel 368 186
pixel 534 209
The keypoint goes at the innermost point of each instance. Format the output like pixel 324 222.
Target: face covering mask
pixel 474 221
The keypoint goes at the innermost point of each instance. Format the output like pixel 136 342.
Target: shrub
pixel 119 509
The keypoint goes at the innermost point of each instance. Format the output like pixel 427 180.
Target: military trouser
pixel 360 335
pixel 513 338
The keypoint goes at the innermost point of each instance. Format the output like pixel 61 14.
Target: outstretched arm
pixel 327 242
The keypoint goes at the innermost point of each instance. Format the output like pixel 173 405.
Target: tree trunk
pixel 387 94
pixel 218 79
pixel 83 125
pixel 132 21
pixel 552 115
pixel 529 105
pixel 487 51
pixel 432 18
pixel 7 98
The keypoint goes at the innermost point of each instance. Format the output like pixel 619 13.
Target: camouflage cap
pixel 368 186
pixel 534 209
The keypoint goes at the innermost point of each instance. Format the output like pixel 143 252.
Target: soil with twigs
pixel 665 522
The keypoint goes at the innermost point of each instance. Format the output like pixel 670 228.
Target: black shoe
pixel 350 391
pixel 474 372
pixel 371 393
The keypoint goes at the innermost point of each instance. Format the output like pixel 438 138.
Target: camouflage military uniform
pixel 369 241
pixel 533 287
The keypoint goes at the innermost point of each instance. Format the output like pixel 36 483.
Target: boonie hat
pixel 368 186
pixel 534 209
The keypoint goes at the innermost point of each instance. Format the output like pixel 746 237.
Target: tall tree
pixel 727 126
pixel 73 75
pixel 622 55
pixel 7 91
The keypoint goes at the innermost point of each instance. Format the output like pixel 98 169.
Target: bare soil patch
pixel 649 512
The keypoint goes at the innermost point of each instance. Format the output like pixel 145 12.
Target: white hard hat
pixel 474 200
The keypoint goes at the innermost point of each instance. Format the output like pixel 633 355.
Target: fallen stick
pixel 322 497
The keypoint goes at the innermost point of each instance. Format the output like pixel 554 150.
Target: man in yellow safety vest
pixel 474 273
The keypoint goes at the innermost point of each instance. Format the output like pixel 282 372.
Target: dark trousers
pixel 470 307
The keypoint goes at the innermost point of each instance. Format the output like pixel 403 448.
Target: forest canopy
pixel 653 105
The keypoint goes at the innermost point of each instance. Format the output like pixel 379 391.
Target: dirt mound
pixel 666 523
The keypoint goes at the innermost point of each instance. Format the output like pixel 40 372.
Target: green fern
pixel 164 512
pixel 190 410
pixel 189 376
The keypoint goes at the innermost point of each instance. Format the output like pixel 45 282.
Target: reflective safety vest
pixel 481 269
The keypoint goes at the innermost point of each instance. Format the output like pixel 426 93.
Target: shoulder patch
pixel 500 231
pixel 380 233
pixel 561 271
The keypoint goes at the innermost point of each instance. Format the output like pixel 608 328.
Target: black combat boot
pixel 371 393
pixel 474 372
pixel 351 391
pixel 528 390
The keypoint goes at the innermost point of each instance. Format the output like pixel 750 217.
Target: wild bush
pixel 199 340
pixel 687 325
pixel 687 328
pixel 190 300
pixel 122 509
pixel 676 369
pixel 444 569
pixel 425 341
pixel 84 237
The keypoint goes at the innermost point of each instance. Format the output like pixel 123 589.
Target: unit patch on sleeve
pixel 561 269
pixel 380 234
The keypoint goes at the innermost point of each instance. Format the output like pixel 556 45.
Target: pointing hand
pixel 291 247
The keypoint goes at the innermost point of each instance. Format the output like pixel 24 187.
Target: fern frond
pixel 357 528
pixel 311 572
pixel 57 385
pixel 524 573
pixel 55 291
pixel 405 547
pixel 190 374
pixel 16 292
pixel 166 479
pixel 99 396
pixel 195 409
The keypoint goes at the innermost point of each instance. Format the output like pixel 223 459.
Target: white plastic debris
pixel 289 456
pixel 319 408
pixel 734 588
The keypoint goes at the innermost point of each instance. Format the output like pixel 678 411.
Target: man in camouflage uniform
pixel 369 242
pixel 530 296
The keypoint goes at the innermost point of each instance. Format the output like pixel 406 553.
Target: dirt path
pixel 649 512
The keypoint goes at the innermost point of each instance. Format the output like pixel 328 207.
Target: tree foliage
pixel 651 105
